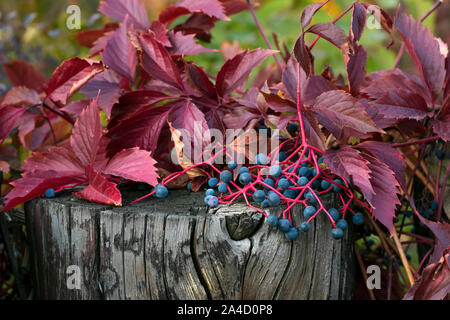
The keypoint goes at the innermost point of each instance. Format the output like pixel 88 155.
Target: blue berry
pixel 272 221
pixel 189 187
pixel 429 212
pixel 334 213
pixel 161 191
pixel 290 193
pixel 213 182
pixel 305 226
pixel 223 188
pixel 245 178
pixel 439 154
pixel 226 176
pixel 50 193
pixel 275 171
pixel 261 159
pixel 282 156
pixel 434 205
pixel 315 184
pixel 265 203
pixel 283 183
pixel 292 127
pixel 303 171
pixel 269 182
pixel 312 197
pixel 309 212
pixel 274 199
pixel 284 225
pixel 314 172
pixel 292 234
pixel 232 165
pixel 210 192
pixel 302 181
pixel 304 164
pixel 325 184
pixel 408 213
pixel 213 202
pixel 206 199
pixel 358 219
pixel 337 233
pixel 259 196
pixel 335 187
pixel 261 121
pixel 243 170
pixel 320 160
pixel 342 224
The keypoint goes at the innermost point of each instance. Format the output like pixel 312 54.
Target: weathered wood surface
pixel 177 248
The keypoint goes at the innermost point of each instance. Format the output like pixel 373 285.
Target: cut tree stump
pixel 177 248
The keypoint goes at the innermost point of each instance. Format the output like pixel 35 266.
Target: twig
pixel 363 272
pixel 405 144
pixel 261 31
pixel 442 193
pixel 403 258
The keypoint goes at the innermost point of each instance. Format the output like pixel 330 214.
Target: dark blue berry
pixel 312 197
pixel 226 176
pixel 206 199
pixel 210 192
pixel 325 185
pixel 212 182
pixel 434 205
pixel 315 184
pixel 259 196
pixel 261 159
pixel 439 154
pixel 358 219
pixel 290 193
pixel 334 213
pixel 161 191
pixel 429 212
pixel 275 171
pixel 302 181
pixel 245 178
pixel 272 221
pixel 292 234
pixel 408 213
pixel 213 202
pixel 283 183
pixel 303 171
pixel 309 212
pixel 282 156
pixel 269 182
pixel 223 188
pixel 243 170
pixel 292 127
pixel 335 187
pixel 305 226
pixel 189 187
pixel 337 233
pixel 284 225
pixel 274 199
pixel 232 165
pixel 320 160
pixel 50 193
pixel 342 224
pixel 265 203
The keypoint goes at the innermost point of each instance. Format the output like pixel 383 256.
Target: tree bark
pixel 177 248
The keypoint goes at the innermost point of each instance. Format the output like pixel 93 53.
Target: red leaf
pixel 140 130
pixel 434 282
pixel 384 199
pixel 315 86
pixel 441 230
pixel 120 54
pixel 302 54
pixel 309 11
pixel 337 110
pixel 391 157
pixel 60 159
pixel 350 164
pixel 330 32
pixel 313 134
pixel 424 49
pixel 86 134
pixel 171 13
pixel 401 104
pixel 160 31
pixel 69 77
pixel 212 8
pixel 20 73
pixel 100 190
pixel 133 164
pixel 358 22
pixel 8 119
pixel 289 78
pixel 356 68
pixel 235 72
pixel 199 80
pixel 442 127
pixel 118 9
pixel 110 86
pixel 158 63
pixel 35 184
pixel 185 45
pixel 87 38
pixel 75 107
pixel 21 96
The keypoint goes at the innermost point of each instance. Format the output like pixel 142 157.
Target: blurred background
pixel 35 31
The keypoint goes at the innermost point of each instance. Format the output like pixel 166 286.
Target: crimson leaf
pixel 309 11
pixel 358 21
pixel 119 9
pixel 330 32
pixel 20 73
pixel 356 68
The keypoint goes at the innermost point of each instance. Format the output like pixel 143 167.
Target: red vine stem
pixel 409 143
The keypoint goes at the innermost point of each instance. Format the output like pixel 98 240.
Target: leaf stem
pixel 409 143
pixel 261 31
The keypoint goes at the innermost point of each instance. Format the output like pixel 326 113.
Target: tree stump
pixel 177 248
